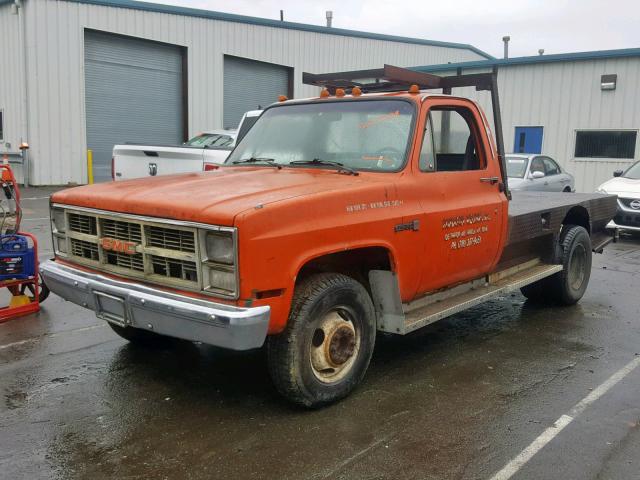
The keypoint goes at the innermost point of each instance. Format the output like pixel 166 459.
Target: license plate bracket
pixel 110 308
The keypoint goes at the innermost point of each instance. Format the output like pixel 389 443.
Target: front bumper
pixel 133 305
pixel 614 225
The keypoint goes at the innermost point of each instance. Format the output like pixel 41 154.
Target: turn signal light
pixel 210 166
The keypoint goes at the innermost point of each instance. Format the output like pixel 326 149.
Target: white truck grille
pixel 135 248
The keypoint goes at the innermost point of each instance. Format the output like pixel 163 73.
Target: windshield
pixel 210 140
pixel 516 167
pixel 362 134
pixel 633 172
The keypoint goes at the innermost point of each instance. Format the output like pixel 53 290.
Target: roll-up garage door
pixel 251 85
pixel 133 93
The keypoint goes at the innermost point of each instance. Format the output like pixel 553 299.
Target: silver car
pixel 537 172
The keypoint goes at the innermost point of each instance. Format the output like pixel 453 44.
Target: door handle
pixel 491 180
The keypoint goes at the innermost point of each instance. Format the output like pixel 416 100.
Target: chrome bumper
pixel 614 225
pixel 133 305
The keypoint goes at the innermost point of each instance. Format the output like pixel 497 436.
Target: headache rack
pixel 397 79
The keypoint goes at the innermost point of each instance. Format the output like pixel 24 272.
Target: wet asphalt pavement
pixel 458 399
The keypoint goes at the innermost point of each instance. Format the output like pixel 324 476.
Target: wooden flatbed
pixel 535 219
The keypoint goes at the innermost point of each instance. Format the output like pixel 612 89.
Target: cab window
pixel 450 143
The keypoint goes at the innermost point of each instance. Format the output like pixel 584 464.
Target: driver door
pixel 463 205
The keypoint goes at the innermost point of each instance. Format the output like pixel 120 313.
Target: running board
pixel 395 317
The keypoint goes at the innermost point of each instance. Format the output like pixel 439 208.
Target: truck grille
pixel 135 248
pixel 88 250
pixel 130 232
pixel 180 269
pixel 82 224
pixel 171 239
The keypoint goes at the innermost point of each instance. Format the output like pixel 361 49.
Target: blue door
pixel 528 140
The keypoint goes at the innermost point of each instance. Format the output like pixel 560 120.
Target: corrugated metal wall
pixel 55 63
pixel 564 97
pixel 11 97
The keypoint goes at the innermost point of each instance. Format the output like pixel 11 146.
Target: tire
pixel 567 286
pixel 137 336
pixel 325 349
pixel 44 290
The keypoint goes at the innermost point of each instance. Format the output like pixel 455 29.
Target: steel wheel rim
pixel 577 267
pixel 334 345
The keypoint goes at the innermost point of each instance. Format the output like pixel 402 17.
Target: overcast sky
pixel 555 25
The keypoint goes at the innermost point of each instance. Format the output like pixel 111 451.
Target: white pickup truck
pixel 205 151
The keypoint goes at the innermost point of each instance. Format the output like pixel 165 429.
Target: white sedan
pixel 625 184
pixel 537 172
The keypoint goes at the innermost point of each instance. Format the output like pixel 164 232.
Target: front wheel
pixel 325 350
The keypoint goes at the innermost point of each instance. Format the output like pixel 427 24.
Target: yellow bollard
pixel 90 166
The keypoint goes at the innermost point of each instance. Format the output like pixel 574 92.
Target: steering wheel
pixel 389 156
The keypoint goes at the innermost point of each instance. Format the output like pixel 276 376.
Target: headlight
pixel 219 247
pixel 58 231
pixel 58 220
pixel 222 280
pixel 220 272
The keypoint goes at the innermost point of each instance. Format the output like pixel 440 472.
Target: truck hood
pixel 214 197
pixel 625 187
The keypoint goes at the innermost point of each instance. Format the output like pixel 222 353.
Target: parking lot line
pixel 511 468
pixel 51 335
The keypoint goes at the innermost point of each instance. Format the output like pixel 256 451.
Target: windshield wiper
pixel 319 161
pixel 262 160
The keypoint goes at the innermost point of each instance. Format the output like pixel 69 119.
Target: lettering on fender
pixel 120 246
pixel 471 233
pixel 360 207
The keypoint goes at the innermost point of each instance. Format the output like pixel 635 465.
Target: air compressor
pixel 18 254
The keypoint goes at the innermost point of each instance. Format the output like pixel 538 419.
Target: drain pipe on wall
pixel 18 8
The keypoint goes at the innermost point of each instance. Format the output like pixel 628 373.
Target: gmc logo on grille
pixel 120 246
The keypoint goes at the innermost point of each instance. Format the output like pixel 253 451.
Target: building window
pixel 605 144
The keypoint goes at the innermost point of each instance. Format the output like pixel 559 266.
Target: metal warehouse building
pixel 583 109
pixel 86 74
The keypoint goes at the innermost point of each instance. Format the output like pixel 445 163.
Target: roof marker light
pixel 282 98
pixel 356 91
pixel 324 93
pixel 339 92
pixel 414 88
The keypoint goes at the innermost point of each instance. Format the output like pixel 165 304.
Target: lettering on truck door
pixel 462 203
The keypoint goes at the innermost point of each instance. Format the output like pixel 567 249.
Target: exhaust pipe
pixel 506 39
pixel 329 18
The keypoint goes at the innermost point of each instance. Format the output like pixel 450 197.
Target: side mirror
pixel 537 174
pixel 618 173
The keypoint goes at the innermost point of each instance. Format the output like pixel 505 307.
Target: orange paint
pixel 288 217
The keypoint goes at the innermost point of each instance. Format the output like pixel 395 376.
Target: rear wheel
pixel 326 347
pixel 567 286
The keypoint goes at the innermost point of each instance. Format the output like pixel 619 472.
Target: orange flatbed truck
pixel 377 206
